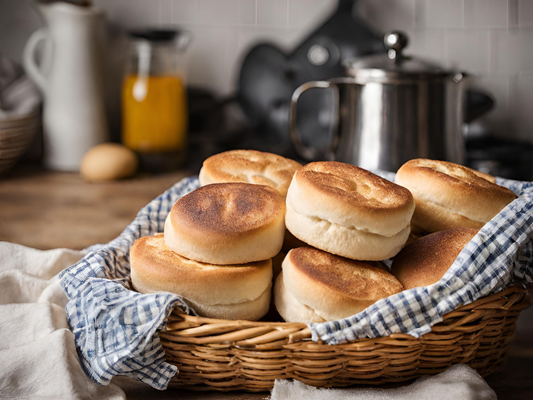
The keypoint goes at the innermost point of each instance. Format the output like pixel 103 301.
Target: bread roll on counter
pixel 227 223
pixel 448 195
pixel 107 162
pixel 230 292
pixel 348 211
pixel 426 260
pixel 250 166
pixel 316 286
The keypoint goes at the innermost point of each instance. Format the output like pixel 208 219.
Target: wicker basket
pixel 215 354
pixel 16 134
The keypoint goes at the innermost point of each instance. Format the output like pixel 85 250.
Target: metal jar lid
pixel 395 67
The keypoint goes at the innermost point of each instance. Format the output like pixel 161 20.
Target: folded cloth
pixel 28 275
pixel 18 95
pixel 457 382
pixel 37 351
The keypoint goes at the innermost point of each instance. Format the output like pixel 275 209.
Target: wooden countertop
pixel 47 210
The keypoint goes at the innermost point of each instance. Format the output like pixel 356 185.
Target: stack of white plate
pixel 16 134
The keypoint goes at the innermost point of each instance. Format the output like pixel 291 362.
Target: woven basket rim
pixel 225 355
pixel 507 299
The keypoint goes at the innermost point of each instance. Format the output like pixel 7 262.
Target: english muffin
pixel 348 211
pixel 426 260
pixel 227 223
pixel 317 286
pixel 250 166
pixel 448 195
pixel 231 292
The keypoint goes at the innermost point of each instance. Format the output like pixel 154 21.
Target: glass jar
pixel 154 99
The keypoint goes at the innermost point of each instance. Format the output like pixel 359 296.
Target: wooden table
pixel 47 210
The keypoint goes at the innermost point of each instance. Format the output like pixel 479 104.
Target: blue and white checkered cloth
pixel 116 329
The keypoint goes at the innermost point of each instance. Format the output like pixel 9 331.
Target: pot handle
pixel 477 104
pixel 305 152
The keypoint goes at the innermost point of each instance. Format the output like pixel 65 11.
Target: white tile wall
pixel 511 50
pixel 219 12
pixel 130 13
pixel 427 44
pixel 210 55
pixel 421 13
pixel 305 14
pixel 512 13
pixel 486 13
pixel 444 13
pixel 273 12
pixel 467 50
pixel 400 13
pixel 525 14
pixel 183 11
pixel 247 12
pixel 491 39
pixel 166 9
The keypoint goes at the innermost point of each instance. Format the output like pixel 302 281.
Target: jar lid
pixel 394 66
pixel 161 38
pixel 155 35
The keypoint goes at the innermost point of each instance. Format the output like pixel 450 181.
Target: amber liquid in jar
pixel 154 116
pixel 154 99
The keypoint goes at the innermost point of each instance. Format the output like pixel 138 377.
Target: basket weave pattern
pixel 215 354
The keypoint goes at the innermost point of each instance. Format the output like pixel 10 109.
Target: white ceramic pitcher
pixel 71 80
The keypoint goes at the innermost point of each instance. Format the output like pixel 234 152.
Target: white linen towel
pixel 38 358
pixel 457 382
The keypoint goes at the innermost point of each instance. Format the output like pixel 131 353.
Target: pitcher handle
pixel 305 152
pixel 28 59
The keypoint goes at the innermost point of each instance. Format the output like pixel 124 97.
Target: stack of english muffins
pixel 219 240
pixel 351 218
pixel 325 227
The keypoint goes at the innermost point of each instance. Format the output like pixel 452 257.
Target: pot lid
pixel 394 65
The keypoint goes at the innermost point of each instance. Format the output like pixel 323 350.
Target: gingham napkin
pixel 116 330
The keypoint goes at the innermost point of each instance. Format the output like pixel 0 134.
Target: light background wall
pixel 491 39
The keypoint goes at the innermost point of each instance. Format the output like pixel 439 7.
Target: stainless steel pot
pixel 389 109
